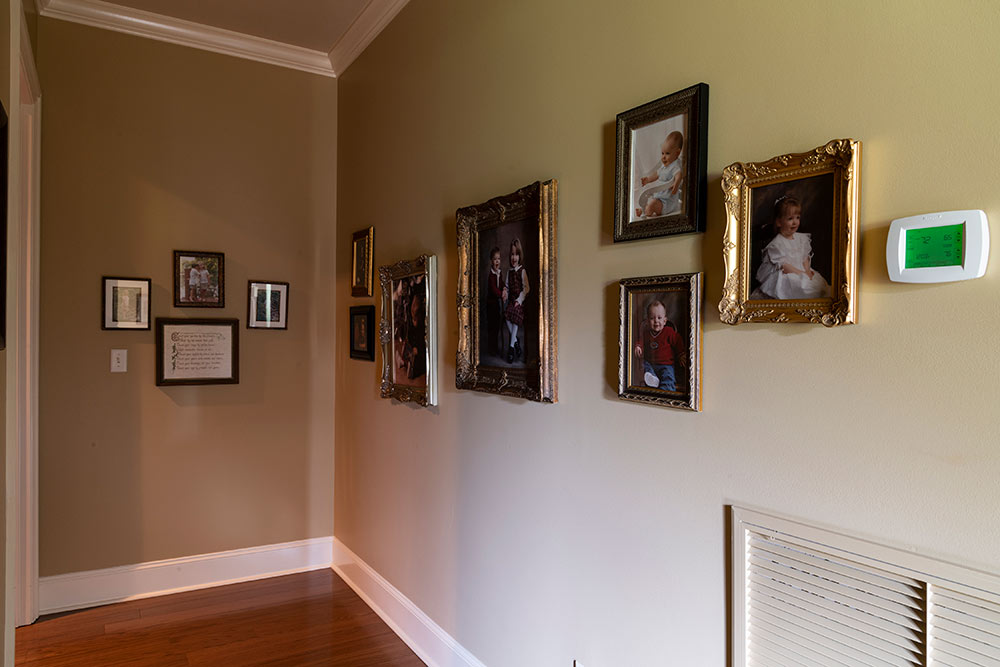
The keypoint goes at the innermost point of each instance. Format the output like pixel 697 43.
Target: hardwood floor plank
pixel 312 618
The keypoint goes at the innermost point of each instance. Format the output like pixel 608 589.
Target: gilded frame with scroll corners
pixel 840 157
pixel 426 266
pixel 534 204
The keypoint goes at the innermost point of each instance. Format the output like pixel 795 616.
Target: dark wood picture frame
pixel 680 296
pixel 183 298
pixel 108 320
pixel 253 322
pixel 363 336
pixel 230 324
pixel 651 128
pixel 528 216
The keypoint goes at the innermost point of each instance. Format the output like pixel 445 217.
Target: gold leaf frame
pixel 362 287
pixel 536 204
pixel 842 158
pixel 425 265
pixel 691 283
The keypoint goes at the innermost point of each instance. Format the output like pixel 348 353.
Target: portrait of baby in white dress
pixel 791 251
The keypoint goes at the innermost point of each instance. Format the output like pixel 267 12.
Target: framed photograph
pixel 363 332
pixel 659 340
pixel 125 303
pixel 791 240
pixel 267 306
pixel 197 351
pixel 409 330
pixel 661 166
pixel 199 279
pixel 507 294
pixel 361 265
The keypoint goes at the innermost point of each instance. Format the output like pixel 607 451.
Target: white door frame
pixel 22 340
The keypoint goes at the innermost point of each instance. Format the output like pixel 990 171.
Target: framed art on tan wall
pixel 408 330
pixel 197 351
pixel 659 340
pixel 199 279
pixel 267 304
pixel 661 166
pixel 791 239
pixel 507 294
pixel 361 262
pixel 125 303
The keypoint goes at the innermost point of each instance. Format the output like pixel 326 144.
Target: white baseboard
pixel 78 590
pixel 427 639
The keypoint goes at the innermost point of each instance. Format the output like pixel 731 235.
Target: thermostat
pixel 938 247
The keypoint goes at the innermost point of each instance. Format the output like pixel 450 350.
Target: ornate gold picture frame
pixel 507 295
pixel 792 237
pixel 408 330
pixel 659 340
pixel 361 262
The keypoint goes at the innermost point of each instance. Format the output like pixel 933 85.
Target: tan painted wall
pixel 594 529
pixel 147 148
pixel 8 63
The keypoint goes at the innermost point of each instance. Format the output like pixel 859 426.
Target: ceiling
pixel 320 36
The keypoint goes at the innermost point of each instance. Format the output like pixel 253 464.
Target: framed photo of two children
pixel 661 166
pixel 792 237
pixel 507 294
pixel 659 340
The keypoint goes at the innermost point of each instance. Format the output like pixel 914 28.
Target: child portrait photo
pixel 657 169
pixel 509 296
pixel 791 243
pixel 409 331
pixel 661 166
pixel 199 279
pixel 660 339
pixel 791 250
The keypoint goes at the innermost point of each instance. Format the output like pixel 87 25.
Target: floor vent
pixel 807 596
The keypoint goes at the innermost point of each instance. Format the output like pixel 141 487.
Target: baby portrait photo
pixel 661 166
pixel 409 331
pixel 660 340
pixel 508 296
pixel 659 347
pixel 658 169
pixel 791 239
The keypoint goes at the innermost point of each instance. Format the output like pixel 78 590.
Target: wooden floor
pixel 305 619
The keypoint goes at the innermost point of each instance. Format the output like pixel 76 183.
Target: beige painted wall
pixel 594 529
pixel 147 148
pixel 9 57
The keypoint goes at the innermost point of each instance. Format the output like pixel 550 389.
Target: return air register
pixel 807 596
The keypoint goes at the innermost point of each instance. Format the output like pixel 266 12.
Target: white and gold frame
pixel 823 186
pixel 408 330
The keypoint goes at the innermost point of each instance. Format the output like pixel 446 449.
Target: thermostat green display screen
pixel 934 246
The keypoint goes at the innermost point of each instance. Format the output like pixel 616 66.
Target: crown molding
pixel 136 22
pixel 372 20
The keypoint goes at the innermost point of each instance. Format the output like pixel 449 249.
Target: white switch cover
pixel 119 361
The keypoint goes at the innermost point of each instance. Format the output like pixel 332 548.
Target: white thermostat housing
pixel 938 247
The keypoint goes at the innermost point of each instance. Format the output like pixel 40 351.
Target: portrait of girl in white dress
pixel 792 228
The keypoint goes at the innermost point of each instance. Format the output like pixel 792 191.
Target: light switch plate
pixel 119 361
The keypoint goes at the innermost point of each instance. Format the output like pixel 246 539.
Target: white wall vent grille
pixel 805 596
